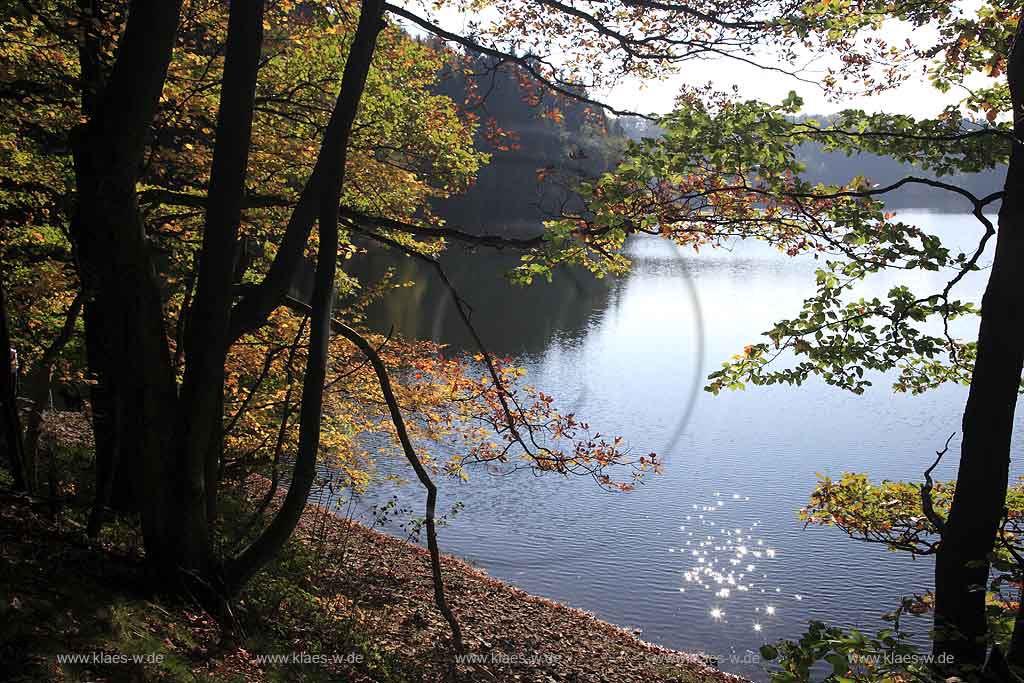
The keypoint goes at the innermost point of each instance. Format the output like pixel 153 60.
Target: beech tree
pixel 419 125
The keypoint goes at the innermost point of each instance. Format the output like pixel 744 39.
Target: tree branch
pixel 410 454
pixel 926 491
pixel 525 63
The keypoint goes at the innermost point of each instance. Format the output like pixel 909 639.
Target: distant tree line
pixel 832 168
pixel 539 143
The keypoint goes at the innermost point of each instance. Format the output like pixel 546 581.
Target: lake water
pixel 630 355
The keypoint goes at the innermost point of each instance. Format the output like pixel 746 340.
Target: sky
pixel 915 97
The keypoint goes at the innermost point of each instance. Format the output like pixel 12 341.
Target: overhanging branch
pixel 409 450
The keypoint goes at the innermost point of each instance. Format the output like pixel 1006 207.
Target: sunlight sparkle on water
pixel 723 566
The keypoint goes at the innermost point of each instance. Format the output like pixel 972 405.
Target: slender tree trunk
pixel 440 600
pixel 201 400
pixel 330 172
pixel 41 375
pixel 962 563
pixel 20 472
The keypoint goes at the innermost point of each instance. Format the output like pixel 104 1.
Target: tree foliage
pixel 410 145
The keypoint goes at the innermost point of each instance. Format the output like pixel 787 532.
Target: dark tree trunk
pixel 125 337
pixel 129 343
pixel 329 178
pixel 201 401
pixel 962 563
pixel 114 480
pixel 12 443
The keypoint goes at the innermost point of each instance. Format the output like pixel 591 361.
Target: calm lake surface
pixel 709 556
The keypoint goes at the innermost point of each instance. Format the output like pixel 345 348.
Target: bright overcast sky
pixel 915 97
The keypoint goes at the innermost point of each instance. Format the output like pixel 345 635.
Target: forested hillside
pixel 837 168
pixel 538 141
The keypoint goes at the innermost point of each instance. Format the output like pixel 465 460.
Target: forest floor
pixel 346 603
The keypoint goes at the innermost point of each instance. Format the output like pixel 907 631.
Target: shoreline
pixel 509 634
pixel 343 602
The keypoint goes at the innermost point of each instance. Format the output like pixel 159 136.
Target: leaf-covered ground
pixel 347 604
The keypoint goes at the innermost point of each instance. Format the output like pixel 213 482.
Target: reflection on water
pixel 511 319
pixel 709 556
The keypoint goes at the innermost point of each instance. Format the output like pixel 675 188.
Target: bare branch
pixel 926 491
pixel 526 63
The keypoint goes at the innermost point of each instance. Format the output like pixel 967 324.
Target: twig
pixel 926 491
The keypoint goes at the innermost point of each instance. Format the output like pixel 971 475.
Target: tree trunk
pixel 440 600
pixel 125 337
pixel 20 472
pixel 129 344
pixel 962 563
pixel 186 525
pixel 330 168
